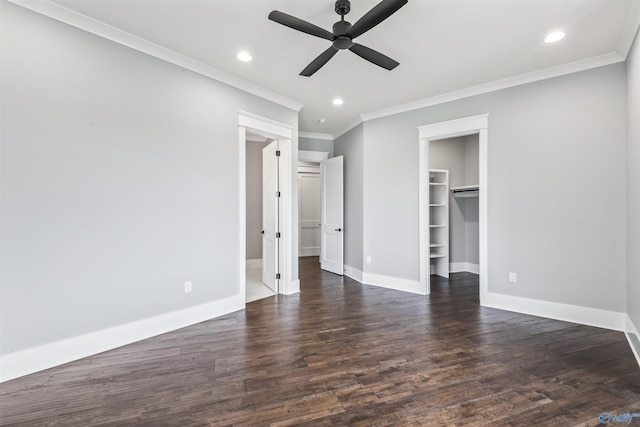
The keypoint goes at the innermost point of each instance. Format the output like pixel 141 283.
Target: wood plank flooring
pixel 345 354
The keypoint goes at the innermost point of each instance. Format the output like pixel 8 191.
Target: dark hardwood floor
pixel 344 354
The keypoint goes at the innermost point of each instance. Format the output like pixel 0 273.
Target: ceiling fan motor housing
pixel 341 40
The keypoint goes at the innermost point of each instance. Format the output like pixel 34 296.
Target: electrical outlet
pixel 188 287
pixel 368 259
pixel 513 278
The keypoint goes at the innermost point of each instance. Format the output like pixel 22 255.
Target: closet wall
pixel 460 157
pixel 316 144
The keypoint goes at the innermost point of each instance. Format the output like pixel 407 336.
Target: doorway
pixel 321 209
pixel 309 208
pixel 260 222
pixel 454 163
pixel 282 134
pixel 474 125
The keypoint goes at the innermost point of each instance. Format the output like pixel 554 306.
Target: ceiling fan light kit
pixel 343 33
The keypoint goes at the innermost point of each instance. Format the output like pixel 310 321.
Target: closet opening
pixel 453 201
pixel 454 256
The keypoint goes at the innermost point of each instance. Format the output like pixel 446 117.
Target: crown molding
pixel 629 29
pixel 106 31
pixel 101 29
pixel 561 70
pixel 348 128
pixel 313 135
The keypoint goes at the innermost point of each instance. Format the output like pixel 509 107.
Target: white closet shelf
pixel 438 217
pixel 466 191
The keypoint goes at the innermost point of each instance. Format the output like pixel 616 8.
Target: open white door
pixel 332 242
pixel 270 215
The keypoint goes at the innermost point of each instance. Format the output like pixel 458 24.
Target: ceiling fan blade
pixel 300 25
pixel 374 56
pixel 317 63
pixel 379 13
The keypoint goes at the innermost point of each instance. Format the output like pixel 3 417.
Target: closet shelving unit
pixel 439 222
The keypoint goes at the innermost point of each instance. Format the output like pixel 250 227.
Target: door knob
pixel 338 229
pixel 262 232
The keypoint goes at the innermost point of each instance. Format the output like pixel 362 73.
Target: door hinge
pixel 277 153
pixel 277 194
pixel 278 235
pixel 277 276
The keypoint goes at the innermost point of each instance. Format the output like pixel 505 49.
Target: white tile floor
pixel 255 288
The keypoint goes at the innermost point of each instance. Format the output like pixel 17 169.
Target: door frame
pixel 288 243
pixel 450 129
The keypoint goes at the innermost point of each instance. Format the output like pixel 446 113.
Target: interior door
pixel 270 214
pixel 332 241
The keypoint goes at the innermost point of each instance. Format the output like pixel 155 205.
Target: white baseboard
pixel 353 273
pixel 396 283
pixel 46 356
pixel 457 267
pixel 553 310
pixel 631 332
pixel 254 263
pixel 310 251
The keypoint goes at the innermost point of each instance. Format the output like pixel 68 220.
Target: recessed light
pixel 322 121
pixel 338 101
pixel 244 56
pixel 554 37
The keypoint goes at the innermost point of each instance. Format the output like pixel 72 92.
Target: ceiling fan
pixel 344 33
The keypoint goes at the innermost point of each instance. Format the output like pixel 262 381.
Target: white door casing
pixel 332 228
pixel 270 215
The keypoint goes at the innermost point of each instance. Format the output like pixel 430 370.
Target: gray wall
pixel 460 157
pixel 119 183
pixel 556 191
pixel 471 204
pixel 471 159
pixel 254 199
pixel 350 145
pixel 633 185
pixel 314 144
pixel 471 230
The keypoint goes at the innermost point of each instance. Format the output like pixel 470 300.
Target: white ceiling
pixel 442 45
